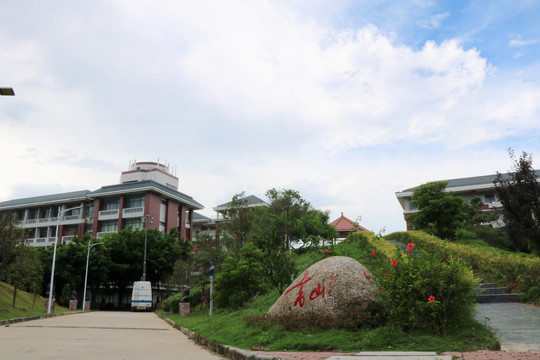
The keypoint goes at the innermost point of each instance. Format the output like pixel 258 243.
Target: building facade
pixel 147 191
pixel 468 188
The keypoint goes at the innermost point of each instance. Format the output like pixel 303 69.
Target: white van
pixel 141 297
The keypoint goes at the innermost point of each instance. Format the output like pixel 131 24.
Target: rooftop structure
pixel 345 226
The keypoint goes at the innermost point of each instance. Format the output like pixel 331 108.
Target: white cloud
pixel 246 96
pixel 433 21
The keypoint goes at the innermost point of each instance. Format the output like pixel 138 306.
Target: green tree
pixel 126 251
pixel 238 224
pixel 240 280
pixel 204 252
pixel 24 273
pixel 287 207
pixel 439 212
pixel 10 237
pixel 519 193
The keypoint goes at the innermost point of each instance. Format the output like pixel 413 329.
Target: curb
pixel 30 318
pixel 230 352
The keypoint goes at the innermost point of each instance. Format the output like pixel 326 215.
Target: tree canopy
pixel 439 212
pixel 519 193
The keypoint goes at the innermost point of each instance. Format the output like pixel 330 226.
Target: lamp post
pixel 145 218
pixel 60 213
pixel 7 92
pixel 90 246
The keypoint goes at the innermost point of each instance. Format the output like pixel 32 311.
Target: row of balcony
pixel 49 240
pixel 103 215
pixel 126 213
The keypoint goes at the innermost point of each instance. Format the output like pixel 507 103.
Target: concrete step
pixel 393 355
pixel 486 285
pixel 492 291
pixel 497 298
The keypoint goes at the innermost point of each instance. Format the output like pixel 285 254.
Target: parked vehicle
pixel 141 297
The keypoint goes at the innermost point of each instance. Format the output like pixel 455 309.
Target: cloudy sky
pixel 345 101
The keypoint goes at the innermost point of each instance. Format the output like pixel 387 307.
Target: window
pixel 33 213
pixel 111 204
pixel 42 232
pixel 489 198
pixel 71 230
pixel 89 210
pixel 135 201
pixel 133 223
pixel 109 226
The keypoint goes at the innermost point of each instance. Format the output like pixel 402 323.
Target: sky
pixel 345 101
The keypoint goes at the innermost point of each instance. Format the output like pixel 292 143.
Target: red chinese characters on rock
pixel 315 292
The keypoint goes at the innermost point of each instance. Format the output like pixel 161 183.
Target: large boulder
pixel 336 287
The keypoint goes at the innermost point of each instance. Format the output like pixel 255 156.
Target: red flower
pixel 196 249
pixel 386 276
pixel 373 252
pixel 410 246
pixel 364 272
pixel 431 298
pixel 368 278
pixel 326 251
pixel 394 262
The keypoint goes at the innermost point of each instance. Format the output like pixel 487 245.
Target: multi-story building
pixel 147 195
pixel 468 188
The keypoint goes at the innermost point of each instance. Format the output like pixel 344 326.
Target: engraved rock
pixel 336 287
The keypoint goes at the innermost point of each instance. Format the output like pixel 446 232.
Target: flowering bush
pixel 498 266
pixel 425 291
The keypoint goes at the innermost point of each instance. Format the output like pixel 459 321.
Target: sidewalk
pixel 473 355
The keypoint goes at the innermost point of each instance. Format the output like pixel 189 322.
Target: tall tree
pixel 24 273
pixel 439 212
pixel 238 224
pixel 519 193
pixel 10 237
pixel 126 251
pixel 287 208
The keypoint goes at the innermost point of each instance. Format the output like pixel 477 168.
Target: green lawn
pixel 24 305
pixel 230 327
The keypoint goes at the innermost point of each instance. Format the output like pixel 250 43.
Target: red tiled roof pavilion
pixel 345 226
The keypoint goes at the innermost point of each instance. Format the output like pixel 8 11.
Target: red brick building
pixel 146 189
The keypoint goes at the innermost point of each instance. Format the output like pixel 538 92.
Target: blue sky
pixel 347 102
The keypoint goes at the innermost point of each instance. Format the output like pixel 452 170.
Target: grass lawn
pixel 230 328
pixel 24 305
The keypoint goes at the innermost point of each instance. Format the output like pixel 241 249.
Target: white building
pixel 482 187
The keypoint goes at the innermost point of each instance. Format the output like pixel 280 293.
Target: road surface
pixel 99 335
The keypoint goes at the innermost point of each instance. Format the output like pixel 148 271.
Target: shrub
pixel 240 280
pixel 425 290
pixel 498 266
pixel 171 303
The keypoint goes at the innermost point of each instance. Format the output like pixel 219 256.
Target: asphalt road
pixel 98 335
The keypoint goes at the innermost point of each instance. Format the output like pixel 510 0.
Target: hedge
pixel 511 270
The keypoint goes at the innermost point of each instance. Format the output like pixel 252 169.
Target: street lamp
pixel 90 246
pixel 60 213
pixel 7 91
pixel 145 224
